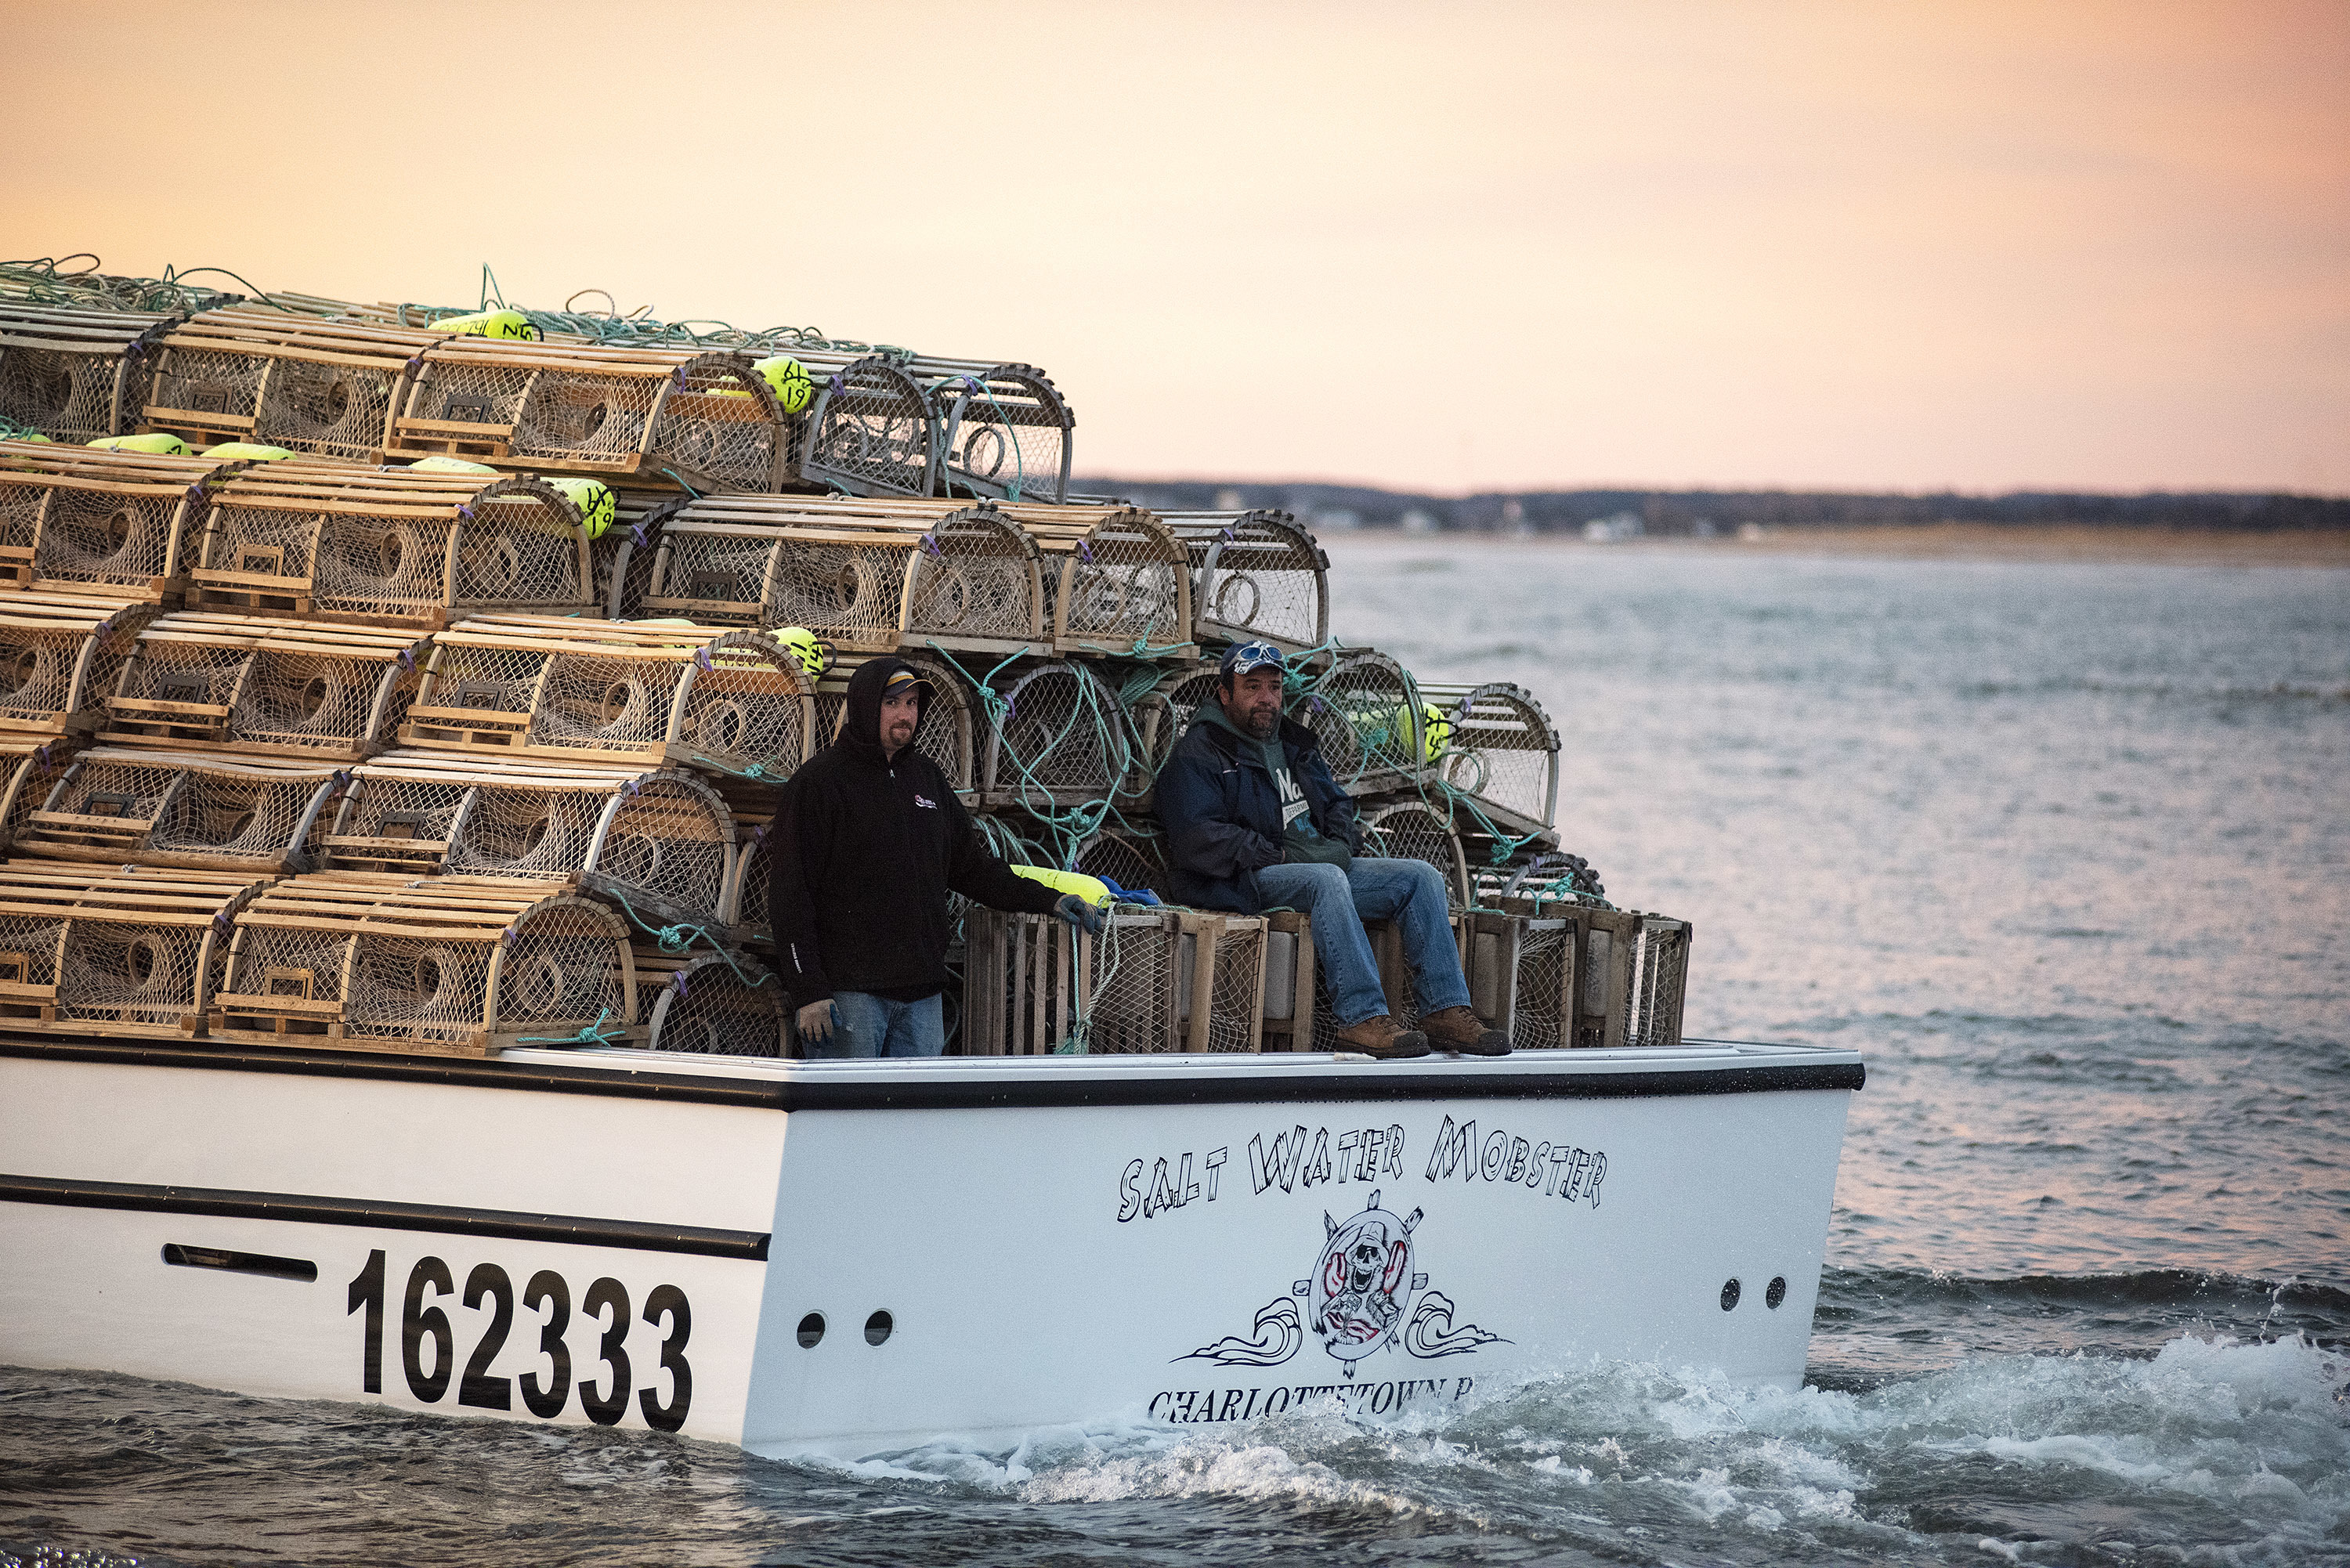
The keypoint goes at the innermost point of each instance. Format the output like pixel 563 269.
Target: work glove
pixel 815 1021
pixel 1078 912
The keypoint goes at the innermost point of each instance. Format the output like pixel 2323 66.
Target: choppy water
pixel 2063 848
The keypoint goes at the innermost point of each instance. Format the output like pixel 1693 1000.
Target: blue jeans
pixel 876 1026
pixel 1408 892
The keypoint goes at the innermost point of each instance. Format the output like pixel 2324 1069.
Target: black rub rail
pixel 749 1246
pixel 976 1092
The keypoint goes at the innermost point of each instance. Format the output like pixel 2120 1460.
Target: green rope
pixel 593 1035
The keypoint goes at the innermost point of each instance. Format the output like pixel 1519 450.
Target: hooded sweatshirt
pixel 865 849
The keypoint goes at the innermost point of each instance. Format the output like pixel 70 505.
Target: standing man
pixel 866 839
pixel 1253 819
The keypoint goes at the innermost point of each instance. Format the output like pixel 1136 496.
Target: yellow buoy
pixel 159 444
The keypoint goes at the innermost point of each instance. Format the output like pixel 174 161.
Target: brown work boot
pixel 1383 1036
pixel 1459 1029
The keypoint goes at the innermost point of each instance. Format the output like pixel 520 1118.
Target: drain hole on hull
pixel 811 1330
pixel 185 1256
pixel 879 1327
pixel 1775 1292
pixel 1729 1295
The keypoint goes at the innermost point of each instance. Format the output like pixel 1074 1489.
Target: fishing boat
pixel 385 1013
pixel 848 1256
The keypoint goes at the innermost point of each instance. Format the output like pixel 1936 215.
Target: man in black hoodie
pixel 867 838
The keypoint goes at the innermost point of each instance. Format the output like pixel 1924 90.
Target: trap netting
pixel 400 547
pixel 1544 1016
pixel 947 729
pixel 1365 711
pixel 1117 583
pixel 137 950
pixel 1413 832
pixel 745 911
pixel 716 1004
pixel 74 375
pixel 158 808
pixel 244 683
pixel 1034 984
pixel 979 582
pixel 1256 576
pixel 871 429
pixel 1003 430
pixel 280 378
pixel 1060 739
pixel 59 655
pixel 454 965
pixel 657 843
pixel 1132 858
pixel 1496 745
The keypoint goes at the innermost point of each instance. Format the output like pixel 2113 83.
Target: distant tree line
pixel 1697 512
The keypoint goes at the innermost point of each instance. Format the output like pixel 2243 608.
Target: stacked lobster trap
pixel 710 1004
pixel 247 373
pixel 72 373
pixel 865 577
pixel 123 804
pixel 439 966
pixel 117 524
pixel 272 686
pixel 1256 576
pixel 127 950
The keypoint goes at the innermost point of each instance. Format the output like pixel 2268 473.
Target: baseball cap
pixel 1243 656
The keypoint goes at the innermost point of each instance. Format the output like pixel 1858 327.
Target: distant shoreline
pixel 1946 542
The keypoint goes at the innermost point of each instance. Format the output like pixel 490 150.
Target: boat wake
pixel 2208 1447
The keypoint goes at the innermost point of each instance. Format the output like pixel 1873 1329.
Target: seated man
pixel 1254 820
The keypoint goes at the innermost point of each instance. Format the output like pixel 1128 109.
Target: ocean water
pixel 2065 850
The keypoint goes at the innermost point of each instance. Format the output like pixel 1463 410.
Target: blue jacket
pixel 1221 811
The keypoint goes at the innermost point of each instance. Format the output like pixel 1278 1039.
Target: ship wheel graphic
pixel 1357 1299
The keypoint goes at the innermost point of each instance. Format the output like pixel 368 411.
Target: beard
pixel 1262 723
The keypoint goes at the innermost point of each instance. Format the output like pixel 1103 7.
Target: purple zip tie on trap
pixel 1085 552
pixel 680 985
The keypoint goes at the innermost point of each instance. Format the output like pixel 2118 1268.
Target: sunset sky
pixel 1847 245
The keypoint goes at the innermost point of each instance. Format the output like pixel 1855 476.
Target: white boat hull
pixel 1193 1239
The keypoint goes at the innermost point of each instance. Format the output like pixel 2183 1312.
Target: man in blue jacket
pixel 1254 820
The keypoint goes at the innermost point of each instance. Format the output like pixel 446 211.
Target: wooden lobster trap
pixel 122 950
pixel 705 421
pixel 204 679
pixel 949 733
pixel 30 769
pixel 248 373
pixel 400 548
pixel 871 429
pixel 117 524
pixel 1255 576
pixel 750 869
pixel 610 692
pixel 1060 739
pixel 866 576
pixel 1003 431
pixel 127 805
pixel 711 1004
pixel 452 966
pixel 1590 976
pixel 59 655
pixel 1496 745
pixel 1118 584
pixel 656 841
pixel 72 374
pixel 1152 981
pixel 1366 713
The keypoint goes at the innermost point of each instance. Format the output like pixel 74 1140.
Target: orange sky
pixel 1854 244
